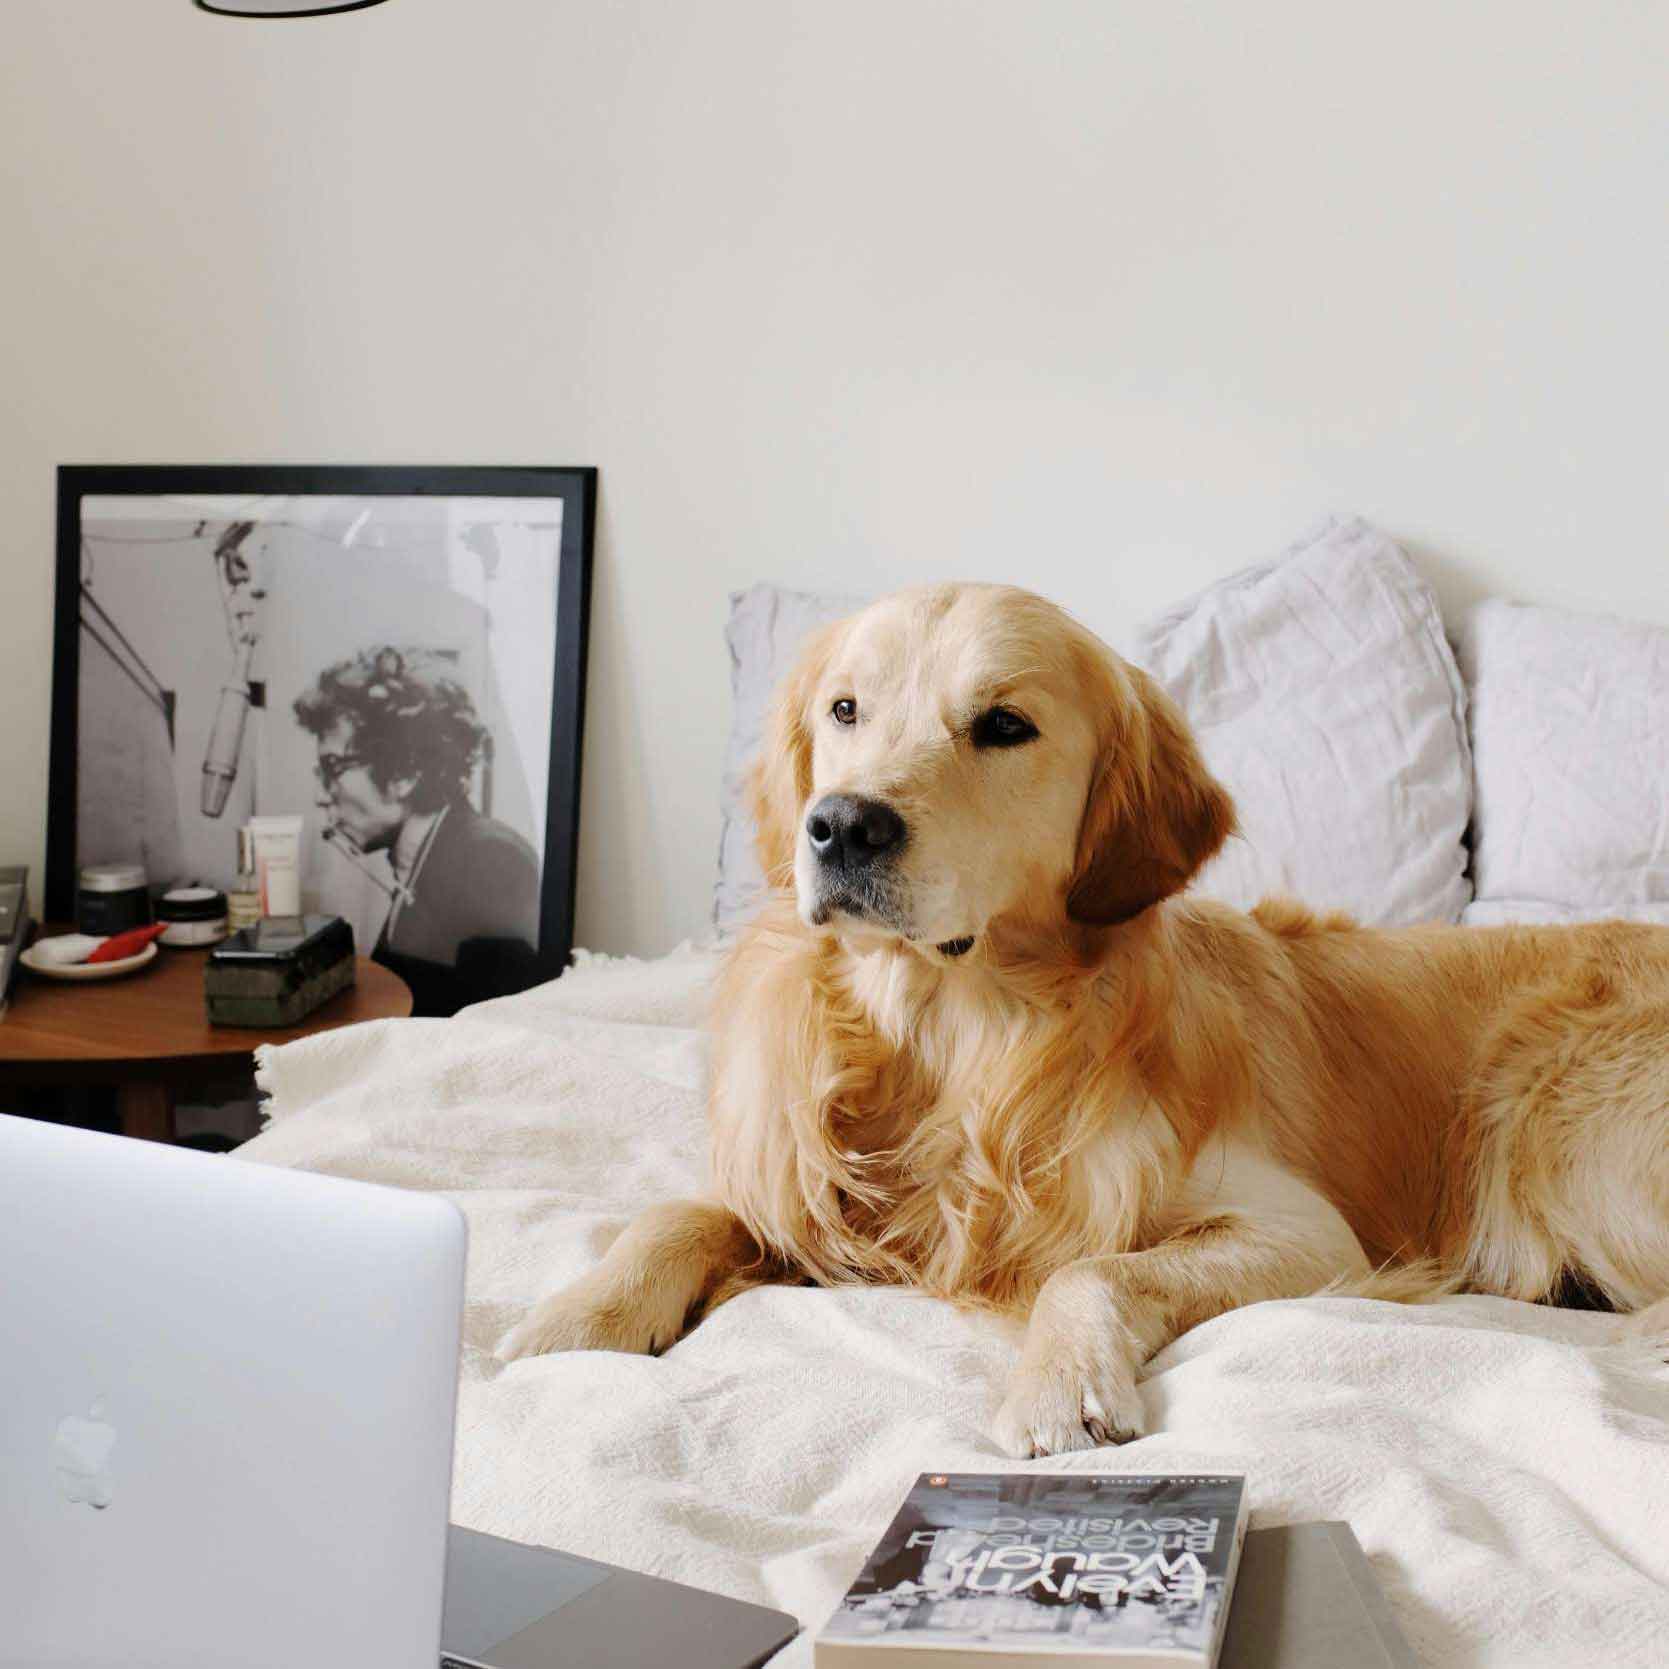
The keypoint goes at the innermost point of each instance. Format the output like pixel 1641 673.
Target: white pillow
pixel 1324 696
pixel 1570 730
pixel 1326 699
pixel 766 628
pixel 1521 912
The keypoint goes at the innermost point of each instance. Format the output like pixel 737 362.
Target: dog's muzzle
pixel 853 843
pixel 849 835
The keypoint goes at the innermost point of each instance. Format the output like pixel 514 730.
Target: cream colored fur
pixel 1121 1112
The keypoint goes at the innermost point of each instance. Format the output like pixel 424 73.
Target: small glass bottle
pixel 243 897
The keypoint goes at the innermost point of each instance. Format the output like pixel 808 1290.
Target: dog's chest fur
pixel 989 1141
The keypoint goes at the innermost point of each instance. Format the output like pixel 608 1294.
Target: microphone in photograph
pixel 220 761
pixel 238 595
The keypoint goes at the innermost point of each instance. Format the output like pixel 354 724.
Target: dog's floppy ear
pixel 1155 814
pixel 780 780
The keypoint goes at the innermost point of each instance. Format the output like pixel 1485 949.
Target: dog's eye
pixel 845 710
pixel 1002 727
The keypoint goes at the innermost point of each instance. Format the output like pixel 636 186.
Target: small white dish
pixel 86 970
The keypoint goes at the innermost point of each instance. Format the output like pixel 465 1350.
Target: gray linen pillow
pixel 1324 695
pixel 1570 727
pixel 1326 698
pixel 766 628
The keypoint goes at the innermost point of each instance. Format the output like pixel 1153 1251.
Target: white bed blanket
pixel 1505 1466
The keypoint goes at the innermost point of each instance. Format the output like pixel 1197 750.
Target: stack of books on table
pixel 1087 1571
pixel 15 925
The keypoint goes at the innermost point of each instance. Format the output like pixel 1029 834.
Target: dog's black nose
pixel 847 833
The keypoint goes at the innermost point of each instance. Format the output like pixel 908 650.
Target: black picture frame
pixel 575 488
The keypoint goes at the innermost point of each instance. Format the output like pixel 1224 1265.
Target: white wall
pixel 1105 296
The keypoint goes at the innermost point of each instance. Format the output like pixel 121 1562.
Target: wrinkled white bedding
pixel 1506 1467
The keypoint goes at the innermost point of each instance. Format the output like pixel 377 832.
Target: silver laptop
pixel 226 1411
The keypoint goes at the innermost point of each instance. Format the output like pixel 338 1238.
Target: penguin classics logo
pixel 81 1456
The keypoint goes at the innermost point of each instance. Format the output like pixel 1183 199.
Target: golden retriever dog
pixel 980 1042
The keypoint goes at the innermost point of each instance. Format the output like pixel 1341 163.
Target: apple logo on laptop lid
pixel 81 1456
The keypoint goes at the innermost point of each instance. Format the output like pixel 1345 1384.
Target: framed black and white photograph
pixel 394 655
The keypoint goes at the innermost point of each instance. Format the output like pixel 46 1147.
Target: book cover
pixel 1063 1568
pixel 16 927
pixel 1307 1598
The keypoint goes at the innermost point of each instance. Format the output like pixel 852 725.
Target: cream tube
pixel 278 863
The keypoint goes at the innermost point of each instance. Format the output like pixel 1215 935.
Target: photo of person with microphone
pixel 391 660
pixel 398 741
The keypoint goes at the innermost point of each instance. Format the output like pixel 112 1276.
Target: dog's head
pixel 961 754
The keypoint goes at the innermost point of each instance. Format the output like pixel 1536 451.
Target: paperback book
pixel 15 926
pixel 1068 1570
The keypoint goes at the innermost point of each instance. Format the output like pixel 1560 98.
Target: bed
pixel 1505 1466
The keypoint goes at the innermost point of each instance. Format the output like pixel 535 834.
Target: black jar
pixel 112 898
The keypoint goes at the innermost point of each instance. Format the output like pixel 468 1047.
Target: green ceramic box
pixel 277 972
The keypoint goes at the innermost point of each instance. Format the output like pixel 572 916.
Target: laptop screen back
pixel 228 1408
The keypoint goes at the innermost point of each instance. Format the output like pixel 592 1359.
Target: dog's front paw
pixel 578 1320
pixel 1054 1408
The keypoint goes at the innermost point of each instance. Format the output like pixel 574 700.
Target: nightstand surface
pixel 148 1032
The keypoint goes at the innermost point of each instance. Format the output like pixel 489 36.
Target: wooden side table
pixel 148 1033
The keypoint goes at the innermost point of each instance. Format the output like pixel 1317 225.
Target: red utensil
pixel 120 945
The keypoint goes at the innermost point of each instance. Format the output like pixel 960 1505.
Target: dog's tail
pixel 1421 1282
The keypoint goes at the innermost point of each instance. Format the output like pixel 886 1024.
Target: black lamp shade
pixel 283 8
